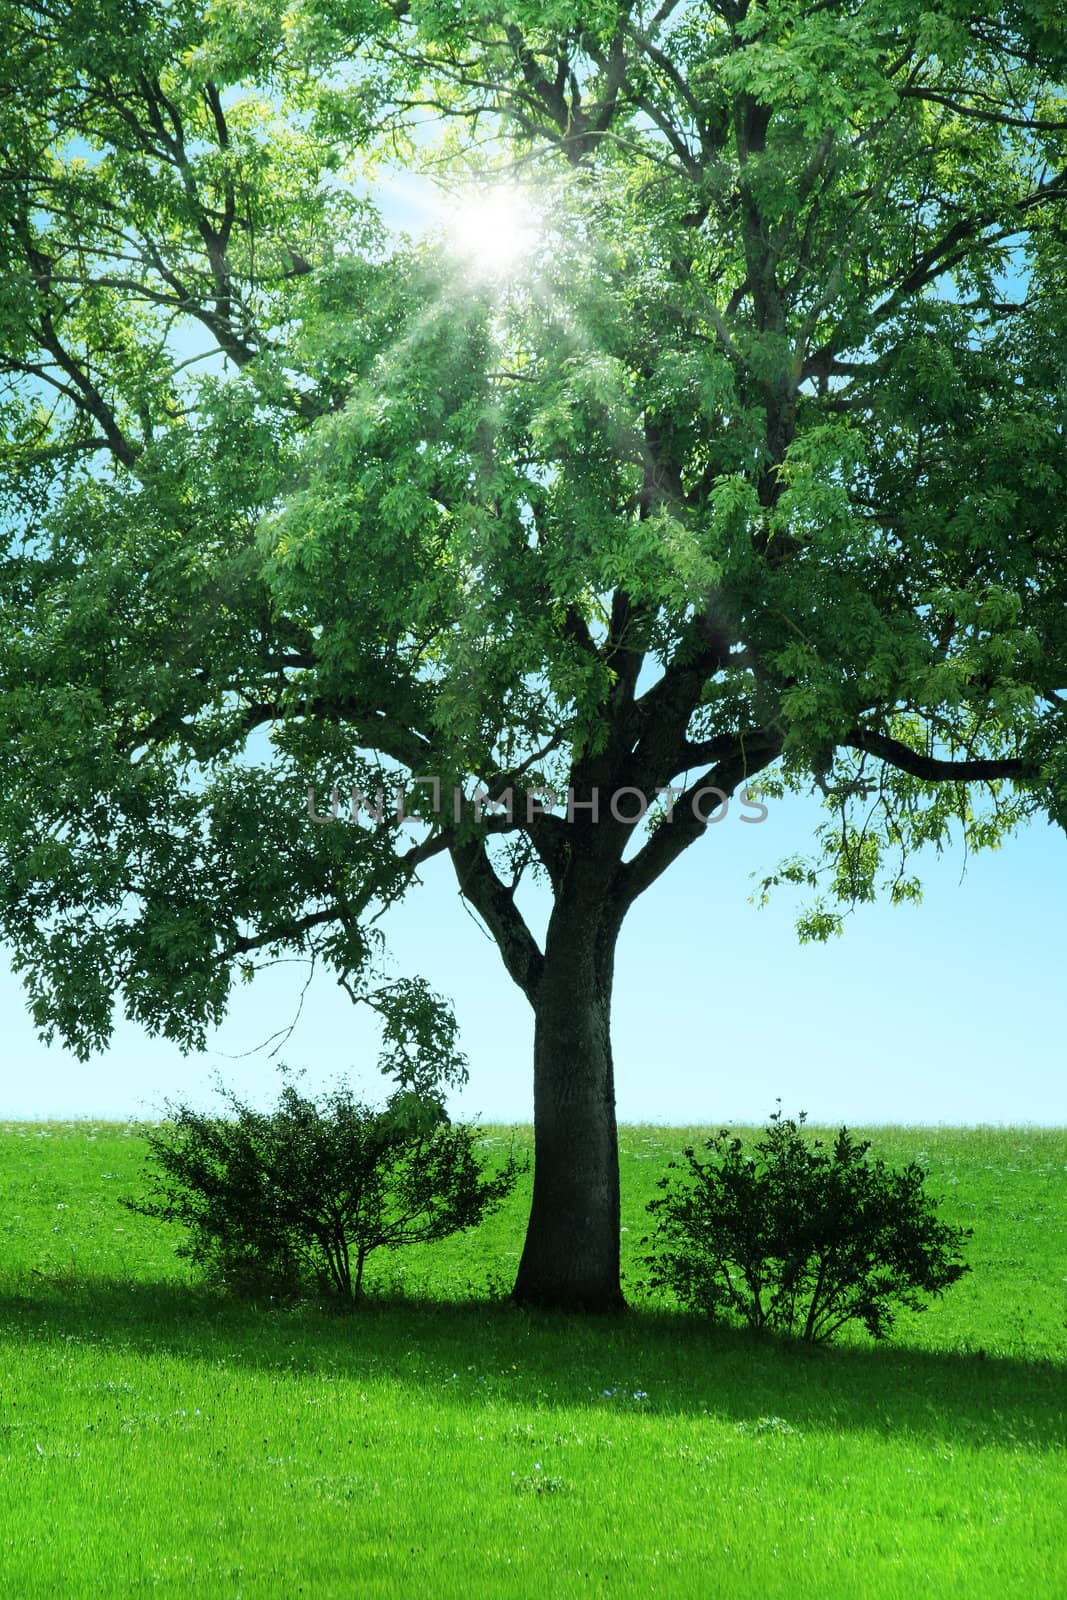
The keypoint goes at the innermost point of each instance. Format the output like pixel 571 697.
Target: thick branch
pixel 1002 118
pixel 282 932
pixel 375 730
pixel 672 838
pixel 664 711
pixel 694 753
pixel 931 768
pixel 493 901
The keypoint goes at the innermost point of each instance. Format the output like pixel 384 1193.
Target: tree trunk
pixel 571 1255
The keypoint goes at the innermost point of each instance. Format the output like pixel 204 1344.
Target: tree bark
pixel 571 1256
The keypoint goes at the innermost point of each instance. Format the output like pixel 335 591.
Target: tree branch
pixel 493 900
pixel 1002 118
pixel 672 838
pixel 723 746
pixel 931 768
pixel 282 932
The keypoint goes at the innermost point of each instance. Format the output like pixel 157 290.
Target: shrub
pixel 277 1201
pixel 799 1236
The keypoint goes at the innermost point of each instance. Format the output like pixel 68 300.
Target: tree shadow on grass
pixel 459 1353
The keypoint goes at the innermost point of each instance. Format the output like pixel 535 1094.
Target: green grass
pixel 156 1439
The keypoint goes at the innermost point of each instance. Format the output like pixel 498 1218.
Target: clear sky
pixel 946 1012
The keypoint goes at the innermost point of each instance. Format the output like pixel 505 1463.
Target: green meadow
pixel 437 1443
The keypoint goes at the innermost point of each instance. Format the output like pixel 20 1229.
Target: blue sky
pixel 946 1012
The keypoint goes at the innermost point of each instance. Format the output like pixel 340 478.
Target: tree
pixel 753 475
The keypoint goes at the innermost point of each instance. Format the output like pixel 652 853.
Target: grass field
pixel 438 1444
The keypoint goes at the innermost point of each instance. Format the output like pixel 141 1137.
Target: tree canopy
pixel 750 471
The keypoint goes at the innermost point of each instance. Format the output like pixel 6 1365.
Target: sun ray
pixel 493 229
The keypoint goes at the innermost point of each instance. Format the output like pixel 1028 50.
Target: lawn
pixel 439 1443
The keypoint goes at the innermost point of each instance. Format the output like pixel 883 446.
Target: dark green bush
pixel 800 1236
pixel 279 1202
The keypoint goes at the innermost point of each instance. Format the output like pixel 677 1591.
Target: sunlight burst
pixel 492 229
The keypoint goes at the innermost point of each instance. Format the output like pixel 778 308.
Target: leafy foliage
pixel 774 410
pixel 801 1237
pixel 279 1201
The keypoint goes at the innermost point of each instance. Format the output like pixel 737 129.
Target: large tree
pixel 753 473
